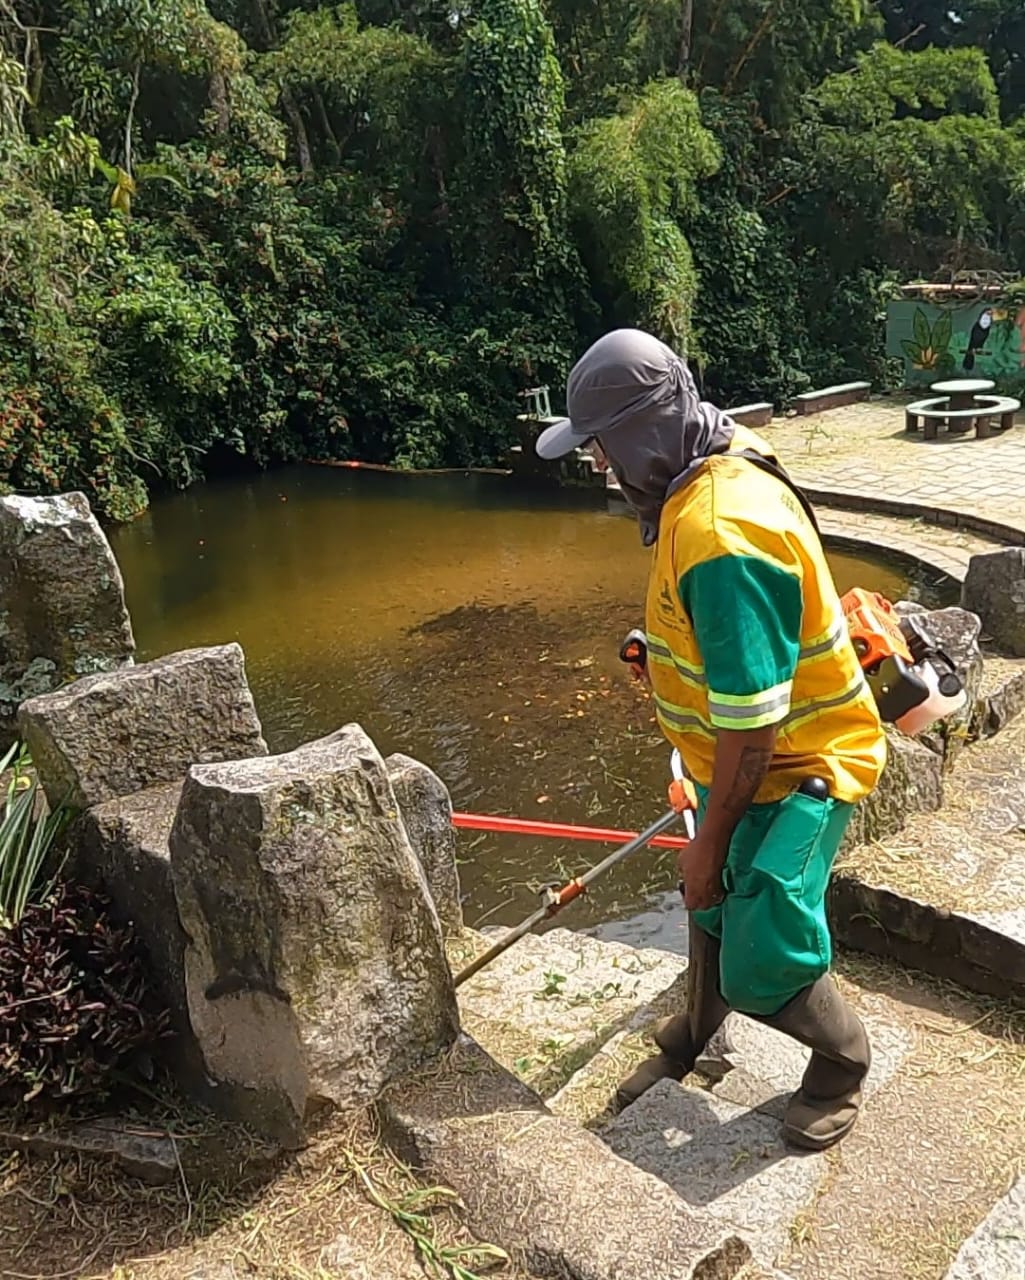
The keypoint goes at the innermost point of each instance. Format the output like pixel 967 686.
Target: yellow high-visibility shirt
pixel 745 630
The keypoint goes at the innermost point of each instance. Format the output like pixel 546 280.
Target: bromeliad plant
pixel 28 835
pixel 75 999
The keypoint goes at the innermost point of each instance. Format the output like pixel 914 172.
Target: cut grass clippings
pixel 343 1209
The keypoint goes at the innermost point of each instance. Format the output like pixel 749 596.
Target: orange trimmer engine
pixel 874 628
pixel 912 680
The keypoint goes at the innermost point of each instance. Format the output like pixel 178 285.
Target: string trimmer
pixel 554 898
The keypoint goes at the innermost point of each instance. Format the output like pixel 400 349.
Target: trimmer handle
pixel 634 653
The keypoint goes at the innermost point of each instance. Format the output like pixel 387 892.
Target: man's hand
pixel 700 865
pixel 741 762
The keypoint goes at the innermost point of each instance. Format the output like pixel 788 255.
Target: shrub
pixel 75 1002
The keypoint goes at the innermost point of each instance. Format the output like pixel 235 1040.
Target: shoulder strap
pixel 775 469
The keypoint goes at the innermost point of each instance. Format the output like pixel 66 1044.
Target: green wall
pixel 933 341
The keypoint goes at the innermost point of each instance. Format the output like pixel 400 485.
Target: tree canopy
pixel 282 229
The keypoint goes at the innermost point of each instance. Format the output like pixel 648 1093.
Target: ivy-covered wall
pixel 981 339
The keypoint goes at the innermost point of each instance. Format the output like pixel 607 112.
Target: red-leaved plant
pixel 75 1002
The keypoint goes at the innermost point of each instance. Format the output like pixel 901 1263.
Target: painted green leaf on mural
pixel 942 331
pixel 921 329
pixel 930 348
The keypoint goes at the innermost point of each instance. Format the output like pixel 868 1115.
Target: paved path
pixel 947 550
pixel 864 449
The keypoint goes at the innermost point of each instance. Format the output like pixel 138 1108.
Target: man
pixel 756 682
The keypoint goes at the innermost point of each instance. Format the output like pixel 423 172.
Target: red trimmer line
pixel 684 801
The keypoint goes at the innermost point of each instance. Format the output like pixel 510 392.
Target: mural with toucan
pixel 982 340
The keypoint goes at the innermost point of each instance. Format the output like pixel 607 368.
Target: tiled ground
pixel 864 449
pixel 945 549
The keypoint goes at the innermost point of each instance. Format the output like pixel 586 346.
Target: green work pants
pixel 772 923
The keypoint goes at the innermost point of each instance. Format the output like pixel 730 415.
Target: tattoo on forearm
pixel 753 766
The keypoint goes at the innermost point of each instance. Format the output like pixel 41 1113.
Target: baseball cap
pixel 559 439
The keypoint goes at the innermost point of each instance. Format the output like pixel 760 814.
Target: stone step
pixel 996 1249
pixel 1001 694
pixel 946 894
pixel 550 1003
pixel 720 1148
pixel 541 1187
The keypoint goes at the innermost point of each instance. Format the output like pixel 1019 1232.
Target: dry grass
pixel 345 1207
pixel 902 865
pixel 936 1148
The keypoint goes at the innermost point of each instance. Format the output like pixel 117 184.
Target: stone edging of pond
pixel 945 517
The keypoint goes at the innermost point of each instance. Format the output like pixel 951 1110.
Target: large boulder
pixel 956 632
pixel 62 604
pixel 111 735
pixel 315 969
pixel 121 848
pixel 426 810
pixel 994 588
pixel 912 782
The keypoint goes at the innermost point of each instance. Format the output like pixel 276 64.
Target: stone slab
pixel 945 894
pixel 722 1159
pixel 121 848
pixel 996 1249
pixel 426 810
pixel 543 1188
pixel 762 1066
pixel 315 969
pixel 721 1148
pixel 156 1158
pixel 62 604
pixel 746 1063
pixel 552 1001
pixel 113 734
pixel 1001 695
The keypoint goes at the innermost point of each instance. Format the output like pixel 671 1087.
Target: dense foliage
pixel 75 1000
pixel 281 229
pixel 75 1003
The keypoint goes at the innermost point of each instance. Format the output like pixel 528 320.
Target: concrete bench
pixel 930 413
pixel 831 397
pixel 752 415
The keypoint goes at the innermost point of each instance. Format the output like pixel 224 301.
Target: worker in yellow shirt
pixel 756 683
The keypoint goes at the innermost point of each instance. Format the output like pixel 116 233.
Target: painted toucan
pixel 978 337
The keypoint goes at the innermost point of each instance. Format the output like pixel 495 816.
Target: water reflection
pixel 461 620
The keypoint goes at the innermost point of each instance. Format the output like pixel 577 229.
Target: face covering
pixel 639 399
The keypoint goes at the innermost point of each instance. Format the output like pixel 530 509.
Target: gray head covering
pixel 638 398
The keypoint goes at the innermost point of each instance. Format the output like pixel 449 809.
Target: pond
pixel 465 621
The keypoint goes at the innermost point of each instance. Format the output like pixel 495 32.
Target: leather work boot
pixel 683 1036
pixel 825 1107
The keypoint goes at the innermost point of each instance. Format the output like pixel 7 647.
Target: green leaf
pixel 921 329
pixel 912 350
pixel 942 332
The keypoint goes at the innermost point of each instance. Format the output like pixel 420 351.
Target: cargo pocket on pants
pixel 775 938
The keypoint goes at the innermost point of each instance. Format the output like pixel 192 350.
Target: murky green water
pixel 460 620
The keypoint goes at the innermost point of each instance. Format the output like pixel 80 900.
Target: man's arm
pixel 742 758
pixel 746 613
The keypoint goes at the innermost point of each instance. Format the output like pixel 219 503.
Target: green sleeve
pixel 746 613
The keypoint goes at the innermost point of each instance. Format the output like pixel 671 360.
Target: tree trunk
pixel 288 102
pixel 302 141
pixel 130 121
pixel 218 92
pixel 686 35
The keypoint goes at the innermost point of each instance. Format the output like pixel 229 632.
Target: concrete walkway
pixel 863 450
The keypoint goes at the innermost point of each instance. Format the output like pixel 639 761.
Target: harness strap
pixel 775 469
